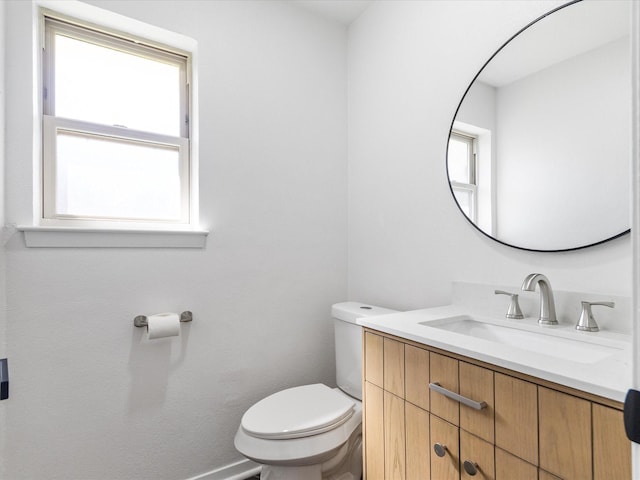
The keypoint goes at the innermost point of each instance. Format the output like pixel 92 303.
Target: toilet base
pixel 346 464
pixel 301 473
pixel 276 472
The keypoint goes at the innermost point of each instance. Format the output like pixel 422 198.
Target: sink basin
pixel 580 348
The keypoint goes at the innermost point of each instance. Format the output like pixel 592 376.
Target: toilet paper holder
pixel 141 320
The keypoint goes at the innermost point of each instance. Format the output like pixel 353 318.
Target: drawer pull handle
pixel 470 467
pixel 441 450
pixel 458 398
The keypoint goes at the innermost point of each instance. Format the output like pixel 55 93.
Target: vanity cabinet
pixel 479 421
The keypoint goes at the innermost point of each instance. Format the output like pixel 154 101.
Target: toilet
pixel 314 432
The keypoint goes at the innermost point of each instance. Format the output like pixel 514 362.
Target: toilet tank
pixel 348 338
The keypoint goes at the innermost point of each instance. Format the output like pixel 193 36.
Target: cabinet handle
pixel 435 386
pixel 441 450
pixel 470 467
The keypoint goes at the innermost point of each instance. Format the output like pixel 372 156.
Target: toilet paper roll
pixel 163 325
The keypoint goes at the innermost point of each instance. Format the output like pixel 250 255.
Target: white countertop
pixel 609 377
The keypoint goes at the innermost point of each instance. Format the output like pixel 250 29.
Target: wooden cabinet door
pixel 373 359
pixel 476 383
pixel 418 448
pixel 394 437
pixel 447 435
pixel 394 367
pixel 510 467
pixel 547 476
pixel 480 454
pixel 373 432
pixel 416 364
pixel 565 435
pixel 444 370
pixel 516 412
pixel 611 448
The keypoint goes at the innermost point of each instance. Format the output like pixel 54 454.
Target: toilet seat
pixel 298 412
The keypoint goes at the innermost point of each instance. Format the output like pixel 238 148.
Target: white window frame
pixel 472 186
pixel 52 124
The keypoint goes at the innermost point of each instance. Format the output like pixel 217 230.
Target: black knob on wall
pixel 632 415
pixel 4 379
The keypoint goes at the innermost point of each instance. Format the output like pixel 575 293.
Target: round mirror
pixel 540 145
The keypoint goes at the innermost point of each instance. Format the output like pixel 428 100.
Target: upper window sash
pixel 471 144
pixel 127 44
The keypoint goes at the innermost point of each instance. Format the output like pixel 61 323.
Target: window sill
pixel 61 237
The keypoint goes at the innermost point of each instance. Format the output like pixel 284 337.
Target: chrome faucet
pixel 547 304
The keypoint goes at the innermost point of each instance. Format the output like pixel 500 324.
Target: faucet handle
pixel 587 323
pixel 514 307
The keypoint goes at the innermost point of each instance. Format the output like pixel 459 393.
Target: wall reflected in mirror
pixel 540 147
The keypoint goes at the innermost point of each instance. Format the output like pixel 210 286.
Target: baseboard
pixel 234 471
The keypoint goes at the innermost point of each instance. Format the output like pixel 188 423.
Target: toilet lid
pixel 298 412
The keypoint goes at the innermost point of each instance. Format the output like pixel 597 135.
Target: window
pixel 461 165
pixel 116 148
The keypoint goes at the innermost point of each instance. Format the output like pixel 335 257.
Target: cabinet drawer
pixel 565 435
pixel 446 435
pixel 373 359
pixel 477 452
pixel 510 467
pixel 516 407
pixel 394 367
pixel 416 364
pixel 476 383
pixel 444 370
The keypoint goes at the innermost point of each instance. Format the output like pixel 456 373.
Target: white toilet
pixel 314 432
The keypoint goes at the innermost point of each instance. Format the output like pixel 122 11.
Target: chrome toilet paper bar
pixel 141 320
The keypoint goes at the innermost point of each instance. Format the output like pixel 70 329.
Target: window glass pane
pixel 464 198
pixel 102 85
pixel 458 160
pixel 113 178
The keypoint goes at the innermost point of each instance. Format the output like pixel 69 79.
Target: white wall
pixel 3 306
pixel 409 65
pixel 90 398
pixel 635 212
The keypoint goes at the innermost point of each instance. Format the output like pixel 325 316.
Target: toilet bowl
pixel 306 426
pixel 314 432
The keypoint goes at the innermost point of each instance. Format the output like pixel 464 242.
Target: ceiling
pixel 343 11
pixel 569 32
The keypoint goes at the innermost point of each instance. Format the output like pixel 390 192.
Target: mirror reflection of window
pixel 462 167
